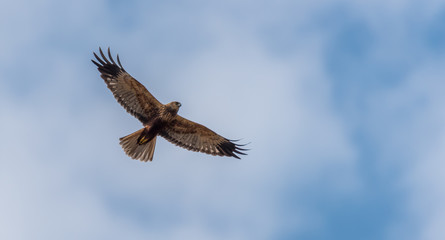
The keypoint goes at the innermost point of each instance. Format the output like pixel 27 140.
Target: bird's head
pixel 173 107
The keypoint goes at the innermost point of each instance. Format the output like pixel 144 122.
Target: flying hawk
pixel 157 118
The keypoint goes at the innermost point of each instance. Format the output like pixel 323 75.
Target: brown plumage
pixel 157 118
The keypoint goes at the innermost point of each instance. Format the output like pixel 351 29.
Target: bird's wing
pixel 196 137
pixel 130 93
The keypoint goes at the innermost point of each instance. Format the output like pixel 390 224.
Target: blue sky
pixel 341 101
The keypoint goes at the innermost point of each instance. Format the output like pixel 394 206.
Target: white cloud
pixel 417 141
pixel 63 174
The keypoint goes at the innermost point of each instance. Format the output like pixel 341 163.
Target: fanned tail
pixel 137 147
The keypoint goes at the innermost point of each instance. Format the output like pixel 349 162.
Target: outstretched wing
pixel 131 94
pixel 196 137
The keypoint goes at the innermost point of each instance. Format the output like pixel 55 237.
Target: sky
pixel 341 103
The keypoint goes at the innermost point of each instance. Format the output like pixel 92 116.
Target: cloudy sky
pixel 342 103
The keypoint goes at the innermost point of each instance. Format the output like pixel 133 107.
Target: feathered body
pixel 158 119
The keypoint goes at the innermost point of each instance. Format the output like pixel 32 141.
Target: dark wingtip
pixel 95 63
pixel 240 150
pixel 231 149
pixel 103 56
pixel 111 57
pixel 119 62
pixel 99 59
pixel 107 64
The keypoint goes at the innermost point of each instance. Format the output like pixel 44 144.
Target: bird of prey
pixel 157 118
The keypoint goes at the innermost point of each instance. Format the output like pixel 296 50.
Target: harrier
pixel 157 118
